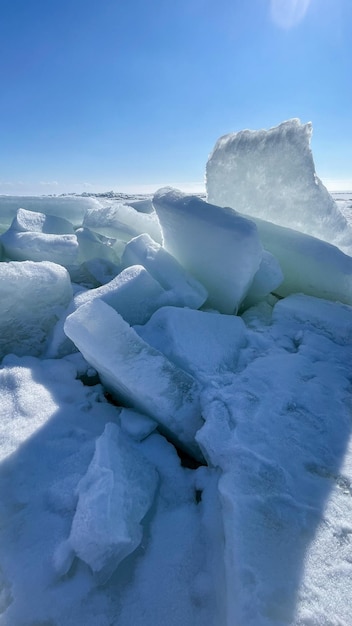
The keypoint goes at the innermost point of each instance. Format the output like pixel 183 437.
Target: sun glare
pixel 288 13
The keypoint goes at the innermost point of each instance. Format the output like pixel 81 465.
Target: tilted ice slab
pixel 33 296
pixel 136 373
pixel 122 222
pixel 113 498
pixel 182 289
pixel 199 342
pixel 270 174
pixel 72 208
pixel 133 293
pixel 33 236
pixel 309 265
pixel 221 249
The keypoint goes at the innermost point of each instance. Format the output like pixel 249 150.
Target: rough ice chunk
pixel 113 498
pixel 122 222
pixel 133 293
pixel 136 373
pixel 95 246
pixel 221 249
pixel 270 174
pixel 33 296
pixel 181 288
pixel 267 279
pixel 32 221
pixel 197 341
pixel 36 237
pixel 309 265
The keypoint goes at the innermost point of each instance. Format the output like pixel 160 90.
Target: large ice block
pixel 270 174
pixel 309 265
pixel 221 249
pixel 137 374
pixel 182 289
pixel 199 342
pixel 34 236
pixel 122 222
pixel 133 293
pixel 33 296
pixel 113 498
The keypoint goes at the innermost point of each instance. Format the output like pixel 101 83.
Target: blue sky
pixel 132 95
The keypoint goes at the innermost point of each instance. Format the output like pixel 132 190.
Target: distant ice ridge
pixel 270 174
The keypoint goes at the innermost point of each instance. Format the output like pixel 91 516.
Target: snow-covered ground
pixel 176 400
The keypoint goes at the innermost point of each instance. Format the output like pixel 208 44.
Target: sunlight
pixel 288 13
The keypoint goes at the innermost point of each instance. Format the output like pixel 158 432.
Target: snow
pixel 175 412
pixel 270 174
pixel 221 249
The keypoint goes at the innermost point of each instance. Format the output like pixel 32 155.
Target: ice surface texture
pixel 34 236
pixel 33 296
pixel 270 174
pixel 221 249
pixel 113 497
pixel 136 373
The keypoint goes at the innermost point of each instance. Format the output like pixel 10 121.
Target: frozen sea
pixel 176 407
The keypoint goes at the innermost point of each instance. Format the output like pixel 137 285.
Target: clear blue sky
pixel 120 94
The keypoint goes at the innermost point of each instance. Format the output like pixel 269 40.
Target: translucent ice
pixel 221 249
pixel 267 279
pixel 72 208
pixel 136 373
pixel 33 296
pixel 113 498
pixel 95 246
pixel 270 174
pixel 122 222
pixel 182 289
pixel 309 265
